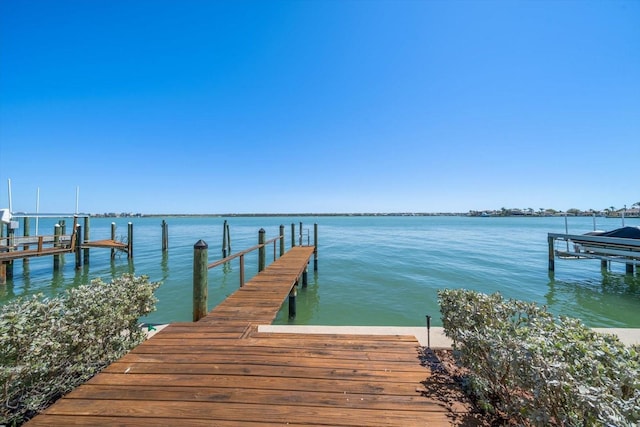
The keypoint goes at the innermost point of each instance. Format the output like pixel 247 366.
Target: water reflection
pixel 307 303
pixel 164 265
pixel 26 277
pixel 81 276
pixel 610 300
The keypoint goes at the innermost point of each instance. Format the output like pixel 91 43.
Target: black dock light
pixel 428 331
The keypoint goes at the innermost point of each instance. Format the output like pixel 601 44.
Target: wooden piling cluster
pixel 56 245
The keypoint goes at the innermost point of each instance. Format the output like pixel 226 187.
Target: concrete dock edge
pixel 628 336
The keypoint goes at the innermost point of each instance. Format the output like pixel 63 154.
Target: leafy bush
pixel 530 367
pixel 50 346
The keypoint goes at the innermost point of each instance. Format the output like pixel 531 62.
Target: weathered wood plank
pixel 274 360
pixel 255 396
pixel 225 411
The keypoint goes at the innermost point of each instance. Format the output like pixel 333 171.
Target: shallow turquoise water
pixel 372 270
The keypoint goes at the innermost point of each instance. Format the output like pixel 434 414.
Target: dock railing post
pixel 315 247
pixel 86 239
pixel 200 279
pixel 130 240
pixel 56 242
pixel 281 239
pixel 552 266
pixel 293 235
pixel 261 250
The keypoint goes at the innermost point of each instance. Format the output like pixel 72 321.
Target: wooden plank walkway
pixel 221 372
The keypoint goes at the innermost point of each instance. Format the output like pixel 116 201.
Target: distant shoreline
pixel 635 213
pixel 367 214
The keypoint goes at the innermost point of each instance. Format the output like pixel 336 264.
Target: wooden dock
pixel 220 371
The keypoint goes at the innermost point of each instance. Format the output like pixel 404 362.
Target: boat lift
pixel 600 246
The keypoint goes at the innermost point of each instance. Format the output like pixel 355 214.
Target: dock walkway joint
pixel 221 371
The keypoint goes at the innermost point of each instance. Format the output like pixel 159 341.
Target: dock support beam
pixel 552 266
pixel 200 279
pixel 261 251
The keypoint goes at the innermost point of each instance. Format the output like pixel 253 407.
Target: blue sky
pixel 319 106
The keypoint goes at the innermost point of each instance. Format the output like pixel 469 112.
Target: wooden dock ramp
pixel 221 372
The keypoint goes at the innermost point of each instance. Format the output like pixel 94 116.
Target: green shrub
pixel 50 346
pixel 528 366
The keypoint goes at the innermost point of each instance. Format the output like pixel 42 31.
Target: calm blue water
pixel 372 270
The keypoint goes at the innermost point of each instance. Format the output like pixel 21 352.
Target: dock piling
pixel 224 239
pixel 10 241
pixel 26 232
pixel 57 229
pixel 78 246
pixel 552 266
pixel 300 233
pixel 200 279
pixel 261 250
pixel 293 235
pixel 315 245
pixel 292 301
pixel 85 239
pixel 130 240
pixel 113 237
pixel 281 239
pixel 165 236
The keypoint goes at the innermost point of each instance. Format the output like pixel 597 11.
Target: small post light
pixel 428 331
